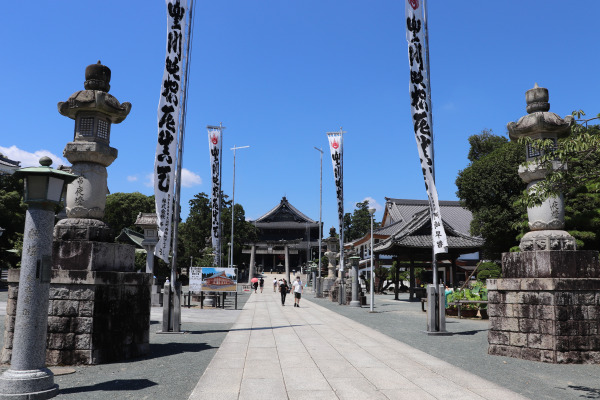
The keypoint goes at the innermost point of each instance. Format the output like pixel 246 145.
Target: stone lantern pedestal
pixel 546 306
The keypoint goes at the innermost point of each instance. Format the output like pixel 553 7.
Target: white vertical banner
pixel 215 146
pixel 420 106
pixel 168 126
pixel 337 158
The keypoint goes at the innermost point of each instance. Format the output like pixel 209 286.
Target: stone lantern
pixel 332 244
pixel 545 307
pixel 28 377
pixel 147 221
pixel 547 220
pixel 94 111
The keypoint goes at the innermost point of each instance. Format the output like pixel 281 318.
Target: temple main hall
pixel 283 233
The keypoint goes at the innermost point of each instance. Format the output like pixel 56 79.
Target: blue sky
pixel 279 74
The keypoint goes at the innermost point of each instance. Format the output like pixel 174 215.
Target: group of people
pixel 284 288
pixel 256 283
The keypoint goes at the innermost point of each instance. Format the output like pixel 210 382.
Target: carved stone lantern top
pixel 539 123
pixel 148 222
pixel 332 243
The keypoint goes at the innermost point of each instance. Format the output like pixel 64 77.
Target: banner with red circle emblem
pixel 215 146
pixel 420 105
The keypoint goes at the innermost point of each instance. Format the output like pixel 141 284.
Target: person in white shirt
pixel 274 284
pixel 297 285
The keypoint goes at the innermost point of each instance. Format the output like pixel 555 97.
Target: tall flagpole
pixel 180 145
pixel 234 148
pixel 434 267
pixel 417 36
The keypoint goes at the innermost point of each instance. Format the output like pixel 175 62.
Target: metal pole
pixel 320 208
pixel 372 288
pixel 233 206
pixel 433 260
pixel 343 284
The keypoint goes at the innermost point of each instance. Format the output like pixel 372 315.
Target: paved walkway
pixel 275 352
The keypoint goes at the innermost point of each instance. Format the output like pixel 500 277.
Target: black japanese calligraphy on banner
pixel 215 146
pixel 420 104
pixel 168 126
pixel 337 159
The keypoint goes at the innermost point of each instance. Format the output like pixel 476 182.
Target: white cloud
pixel 373 203
pixel 149 180
pixel 132 178
pixel 31 159
pixel 188 179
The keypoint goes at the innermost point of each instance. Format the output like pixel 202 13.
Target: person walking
pixel 274 284
pixel 262 284
pixel 283 289
pixel 298 288
pixel 255 285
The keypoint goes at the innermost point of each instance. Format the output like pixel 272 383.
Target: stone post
pixel 355 301
pixel 28 377
pixel 287 263
pixel 251 268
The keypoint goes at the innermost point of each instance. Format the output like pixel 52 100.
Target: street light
pixel 372 213
pixel 233 206
pixel 28 376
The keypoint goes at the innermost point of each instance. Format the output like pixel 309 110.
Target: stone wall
pixel 94 317
pixel 554 317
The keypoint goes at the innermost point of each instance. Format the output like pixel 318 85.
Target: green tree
pixel 490 188
pixel 122 210
pixel 571 162
pixel 12 219
pixel 358 224
pixel 488 270
pixel 196 231
pixel 484 143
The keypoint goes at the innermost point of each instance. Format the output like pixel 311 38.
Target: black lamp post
pixel 28 377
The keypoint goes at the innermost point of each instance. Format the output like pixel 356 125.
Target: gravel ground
pixel 467 348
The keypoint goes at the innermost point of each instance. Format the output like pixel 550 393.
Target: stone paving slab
pixel 284 352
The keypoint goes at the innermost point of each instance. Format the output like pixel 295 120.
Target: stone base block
pixel 554 318
pixel 82 229
pixel 551 264
pixel 92 256
pixel 94 317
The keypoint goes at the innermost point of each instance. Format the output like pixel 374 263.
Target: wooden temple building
pixel 405 237
pixel 286 240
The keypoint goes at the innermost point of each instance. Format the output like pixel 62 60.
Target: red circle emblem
pixel 414 4
pixel 214 139
pixel 335 145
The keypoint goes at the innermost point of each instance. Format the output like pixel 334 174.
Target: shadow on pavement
pixel 158 350
pixel 114 385
pixel 470 333
pixel 242 329
pixel 589 393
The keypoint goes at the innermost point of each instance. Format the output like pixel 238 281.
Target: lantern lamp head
pixel 44 186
